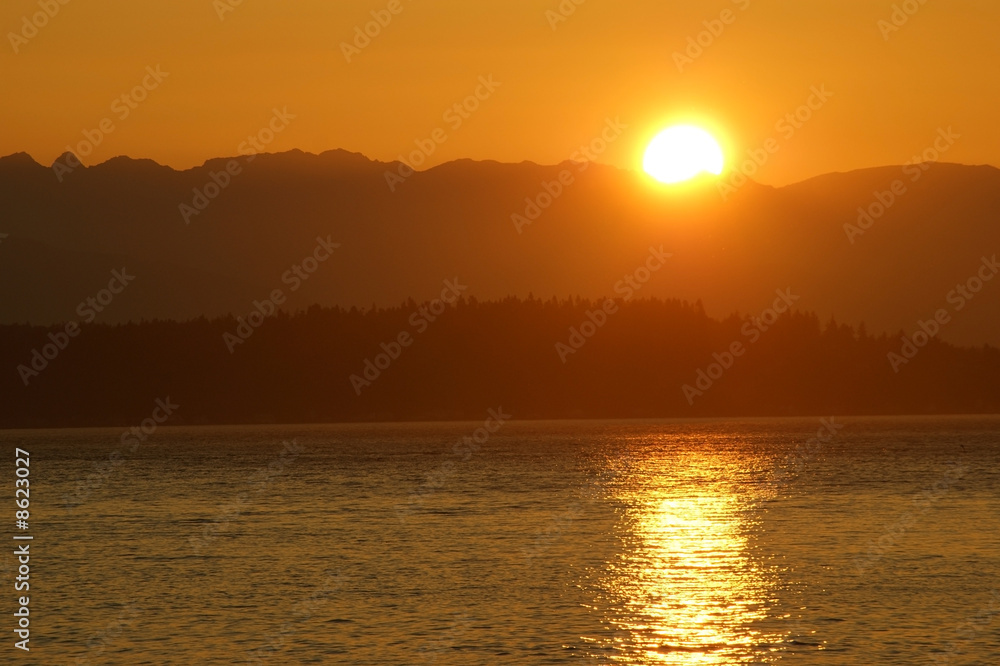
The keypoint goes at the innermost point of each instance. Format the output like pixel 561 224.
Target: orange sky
pixel 891 90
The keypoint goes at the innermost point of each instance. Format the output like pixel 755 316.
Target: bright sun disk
pixel 682 152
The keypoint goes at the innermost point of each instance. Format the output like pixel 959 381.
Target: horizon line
pixel 374 161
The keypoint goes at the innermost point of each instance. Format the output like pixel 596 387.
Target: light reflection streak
pixel 686 589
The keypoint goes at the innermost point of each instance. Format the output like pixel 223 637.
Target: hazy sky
pixel 559 80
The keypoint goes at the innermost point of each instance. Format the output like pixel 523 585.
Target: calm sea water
pixel 695 542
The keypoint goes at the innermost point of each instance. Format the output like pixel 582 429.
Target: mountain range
pixel 888 247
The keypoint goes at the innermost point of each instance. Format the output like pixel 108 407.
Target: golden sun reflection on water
pixel 686 589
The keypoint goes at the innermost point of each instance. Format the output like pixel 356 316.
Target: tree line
pixel 556 358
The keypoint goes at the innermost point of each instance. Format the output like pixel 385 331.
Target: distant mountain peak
pixel 68 158
pixel 18 160
pixel 339 158
pixel 123 162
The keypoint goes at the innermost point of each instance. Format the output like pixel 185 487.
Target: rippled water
pixel 698 542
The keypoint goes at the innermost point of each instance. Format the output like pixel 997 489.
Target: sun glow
pixel 682 152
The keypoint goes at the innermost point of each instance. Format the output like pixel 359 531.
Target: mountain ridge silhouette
pixel 458 218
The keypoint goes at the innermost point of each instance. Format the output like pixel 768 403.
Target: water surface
pixel 639 542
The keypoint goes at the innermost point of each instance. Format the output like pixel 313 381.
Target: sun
pixel 682 152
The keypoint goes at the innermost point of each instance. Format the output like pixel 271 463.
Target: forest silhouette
pixel 334 364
